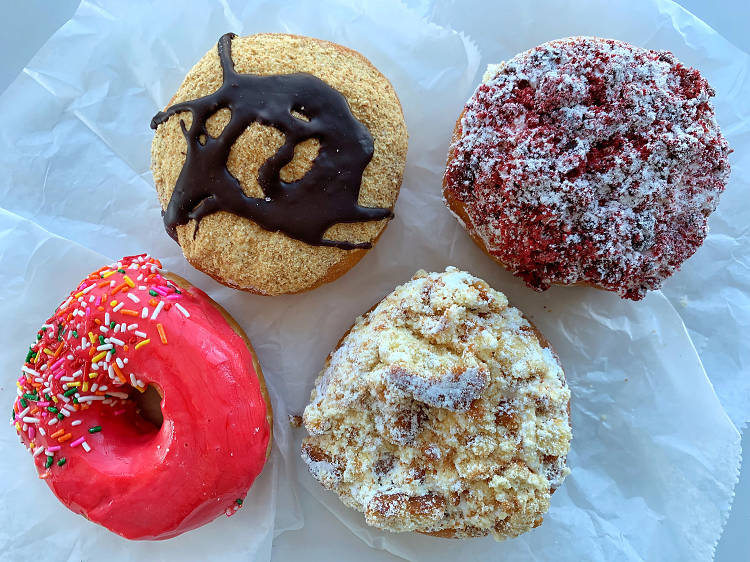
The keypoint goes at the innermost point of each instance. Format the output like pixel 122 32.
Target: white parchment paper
pixel 654 456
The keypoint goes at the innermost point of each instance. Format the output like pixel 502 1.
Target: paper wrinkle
pixel 654 459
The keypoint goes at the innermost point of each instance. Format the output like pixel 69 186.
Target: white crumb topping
pixel 441 412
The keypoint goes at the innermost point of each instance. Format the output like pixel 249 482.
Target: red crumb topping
pixel 588 160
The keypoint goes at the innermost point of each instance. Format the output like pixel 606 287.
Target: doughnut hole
pixel 148 404
pixel 138 417
pixel 131 428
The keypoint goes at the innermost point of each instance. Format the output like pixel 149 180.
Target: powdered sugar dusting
pixel 321 467
pixel 590 160
pixel 452 391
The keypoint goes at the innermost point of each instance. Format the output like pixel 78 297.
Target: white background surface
pixel 30 23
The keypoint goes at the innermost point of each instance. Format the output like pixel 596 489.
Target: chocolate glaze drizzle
pixel 303 209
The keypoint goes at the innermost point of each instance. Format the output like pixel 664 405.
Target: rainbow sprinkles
pixel 81 357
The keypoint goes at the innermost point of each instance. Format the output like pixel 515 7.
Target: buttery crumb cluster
pixel 81 357
pixel 587 160
pixel 441 412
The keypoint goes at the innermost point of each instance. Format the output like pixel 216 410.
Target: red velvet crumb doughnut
pixel 127 332
pixel 588 161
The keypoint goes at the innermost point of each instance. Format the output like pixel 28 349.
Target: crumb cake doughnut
pixel 278 161
pixel 143 403
pixel 442 411
pixel 588 161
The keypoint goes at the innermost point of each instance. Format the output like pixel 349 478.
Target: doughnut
pixel 143 404
pixel 588 161
pixel 278 161
pixel 442 411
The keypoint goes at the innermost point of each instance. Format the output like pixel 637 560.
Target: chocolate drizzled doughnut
pixel 304 209
pixel 278 161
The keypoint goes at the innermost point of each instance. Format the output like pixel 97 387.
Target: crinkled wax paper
pixel 654 455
